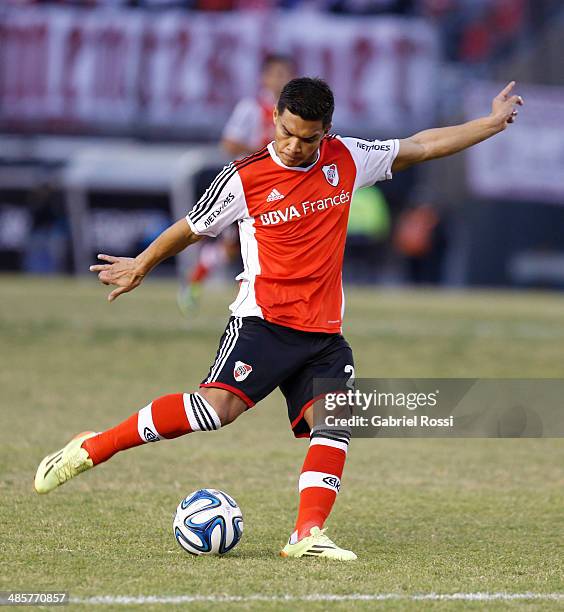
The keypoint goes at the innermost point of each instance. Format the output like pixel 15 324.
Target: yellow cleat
pixel 317 545
pixel 63 465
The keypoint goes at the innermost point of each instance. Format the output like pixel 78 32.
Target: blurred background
pixel 113 118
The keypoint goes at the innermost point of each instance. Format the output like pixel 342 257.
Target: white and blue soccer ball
pixel 208 522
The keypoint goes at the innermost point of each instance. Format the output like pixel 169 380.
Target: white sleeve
pixel 373 159
pixel 241 126
pixel 222 204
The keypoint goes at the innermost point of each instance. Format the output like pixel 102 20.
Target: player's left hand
pixel 122 272
pixel 504 106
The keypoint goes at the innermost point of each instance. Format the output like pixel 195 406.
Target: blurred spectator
pixel 368 228
pixel 257 4
pixel 249 128
pixel 420 238
pixel 215 5
pixel 46 250
pixel 163 4
pixel 475 31
pixel 250 125
pixel 80 3
pixel 371 7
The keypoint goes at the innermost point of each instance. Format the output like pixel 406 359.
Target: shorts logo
pixel 241 371
pixel 333 482
pixel 331 174
pixel 149 435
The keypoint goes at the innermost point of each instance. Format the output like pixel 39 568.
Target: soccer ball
pixel 208 522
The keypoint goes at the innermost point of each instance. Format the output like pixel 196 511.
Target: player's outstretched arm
pixel 440 142
pixel 127 273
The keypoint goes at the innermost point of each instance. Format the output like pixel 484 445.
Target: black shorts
pixel 255 357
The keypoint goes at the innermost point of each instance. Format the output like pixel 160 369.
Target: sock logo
pixel 333 482
pixel 241 371
pixel 149 435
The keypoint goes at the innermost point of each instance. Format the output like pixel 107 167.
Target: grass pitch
pixel 424 516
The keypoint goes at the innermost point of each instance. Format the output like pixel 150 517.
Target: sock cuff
pixel 321 441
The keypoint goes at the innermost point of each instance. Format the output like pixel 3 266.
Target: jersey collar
pixel 278 161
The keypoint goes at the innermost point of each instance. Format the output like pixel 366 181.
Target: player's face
pixel 297 140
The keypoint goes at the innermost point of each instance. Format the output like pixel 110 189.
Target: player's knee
pixel 226 405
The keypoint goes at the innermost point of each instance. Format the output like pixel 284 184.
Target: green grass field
pixel 424 516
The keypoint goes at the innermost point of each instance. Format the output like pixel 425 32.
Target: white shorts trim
pixel 226 348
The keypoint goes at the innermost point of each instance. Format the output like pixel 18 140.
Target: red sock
pixel 320 482
pixel 167 417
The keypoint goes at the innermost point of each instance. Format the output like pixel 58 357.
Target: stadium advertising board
pixel 181 73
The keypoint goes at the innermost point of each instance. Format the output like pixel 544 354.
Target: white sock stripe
pixel 327 442
pixel 194 425
pixel 202 423
pixel 145 426
pixel 198 410
pixel 210 410
pixel 199 402
pixel 238 323
pixel 200 417
pixel 319 479
pixel 200 414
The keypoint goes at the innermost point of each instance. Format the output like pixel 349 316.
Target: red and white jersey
pixel 293 227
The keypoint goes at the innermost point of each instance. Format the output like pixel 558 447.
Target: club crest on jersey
pixel 331 174
pixel 241 371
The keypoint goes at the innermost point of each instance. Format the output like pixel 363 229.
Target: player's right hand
pixel 504 105
pixel 123 272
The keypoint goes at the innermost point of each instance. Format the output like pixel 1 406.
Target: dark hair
pixel 277 58
pixel 310 99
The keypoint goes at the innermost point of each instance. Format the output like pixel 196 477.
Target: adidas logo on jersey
pixel 274 195
pixel 241 371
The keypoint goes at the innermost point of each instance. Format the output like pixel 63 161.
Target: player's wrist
pixel 495 122
pixel 141 266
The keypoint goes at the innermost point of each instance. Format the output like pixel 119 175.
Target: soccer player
pixel 291 201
